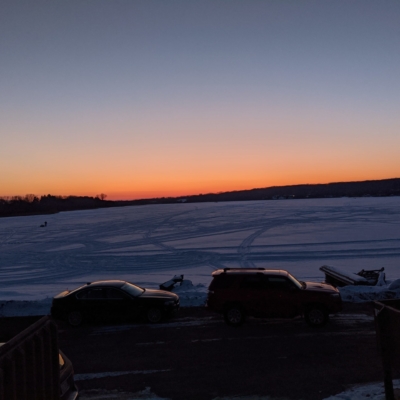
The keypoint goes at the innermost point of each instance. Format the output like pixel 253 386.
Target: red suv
pixel 259 292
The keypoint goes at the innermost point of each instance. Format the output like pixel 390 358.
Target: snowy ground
pixel 147 245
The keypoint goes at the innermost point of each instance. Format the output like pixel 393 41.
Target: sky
pixel 139 99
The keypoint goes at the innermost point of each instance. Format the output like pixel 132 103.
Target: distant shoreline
pixel 19 206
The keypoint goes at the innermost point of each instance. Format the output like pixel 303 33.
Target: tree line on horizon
pixel 49 204
pixel 373 188
pixel 31 204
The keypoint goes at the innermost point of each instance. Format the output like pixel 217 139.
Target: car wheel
pixel 316 316
pixel 75 318
pixel 234 316
pixel 154 315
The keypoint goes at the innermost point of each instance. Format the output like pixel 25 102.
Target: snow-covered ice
pixel 148 245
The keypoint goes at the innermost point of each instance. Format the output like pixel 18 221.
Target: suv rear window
pixel 254 282
pixel 222 281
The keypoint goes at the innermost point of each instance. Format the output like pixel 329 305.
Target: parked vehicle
pixel 113 299
pixel 338 277
pixel 259 292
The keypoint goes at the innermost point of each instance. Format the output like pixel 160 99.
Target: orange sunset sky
pixel 141 99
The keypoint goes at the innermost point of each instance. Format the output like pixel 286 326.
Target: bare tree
pixel 30 198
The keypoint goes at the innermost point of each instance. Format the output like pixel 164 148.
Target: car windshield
pixel 133 290
pixel 299 284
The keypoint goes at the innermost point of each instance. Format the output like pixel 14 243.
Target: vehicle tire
pixel 316 316
pixel 75 318
pixel 154 315
pixel 234 315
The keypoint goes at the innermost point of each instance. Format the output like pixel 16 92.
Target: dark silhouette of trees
pixel 30 198
pixel 49 204
pixel 31 204
pixel 384 187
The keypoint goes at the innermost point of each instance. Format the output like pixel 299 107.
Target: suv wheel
pixel 234 315
pixel 316 316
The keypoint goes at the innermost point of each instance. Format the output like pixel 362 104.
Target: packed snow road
pixel 197 356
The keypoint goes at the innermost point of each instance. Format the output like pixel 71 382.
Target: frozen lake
pixel 149 244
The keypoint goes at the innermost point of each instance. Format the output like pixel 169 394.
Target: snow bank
pixel 196 295
pixel 359 294
pixel 373 391
pixel 190 295
pixel 18 308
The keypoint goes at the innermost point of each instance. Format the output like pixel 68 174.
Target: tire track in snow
pixel 191 257
pixel 244 248
pixel 7 237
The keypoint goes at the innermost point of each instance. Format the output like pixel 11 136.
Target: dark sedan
pixel 112 300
